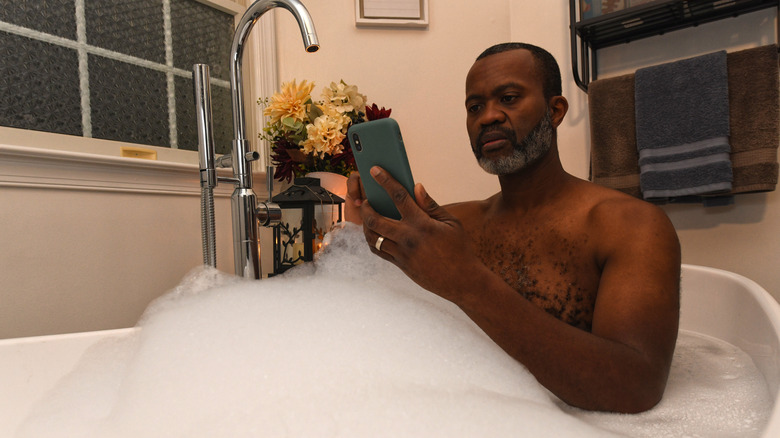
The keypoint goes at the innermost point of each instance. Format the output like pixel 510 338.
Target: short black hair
pixel 546 63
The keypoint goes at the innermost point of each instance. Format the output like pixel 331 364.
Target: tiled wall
pixel 105 69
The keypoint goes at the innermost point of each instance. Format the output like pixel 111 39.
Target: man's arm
pixel 622 365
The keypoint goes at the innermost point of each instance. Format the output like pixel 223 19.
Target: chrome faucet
pixel 245 210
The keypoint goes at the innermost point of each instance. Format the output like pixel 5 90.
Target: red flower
pixel 283 157
pixel 346 157
pixel 285 166
pixel 373 112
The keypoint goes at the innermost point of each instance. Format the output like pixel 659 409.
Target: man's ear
pixel 558 107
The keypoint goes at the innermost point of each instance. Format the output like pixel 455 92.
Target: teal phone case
pixel 379 143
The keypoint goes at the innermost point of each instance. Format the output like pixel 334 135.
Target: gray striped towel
pixel 682 127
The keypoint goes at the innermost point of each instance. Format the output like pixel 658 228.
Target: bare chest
pixel 552 267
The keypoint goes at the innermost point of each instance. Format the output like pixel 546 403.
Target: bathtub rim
pixel 744 299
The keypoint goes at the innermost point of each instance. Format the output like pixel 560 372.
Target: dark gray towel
pixel 682 127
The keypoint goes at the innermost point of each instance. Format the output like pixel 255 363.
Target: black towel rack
pixel 642 21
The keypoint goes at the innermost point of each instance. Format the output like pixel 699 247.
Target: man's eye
pixel 473 108
pixel 508 98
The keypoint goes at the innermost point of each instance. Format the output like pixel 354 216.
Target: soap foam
pixel 346 346
pixel 714 390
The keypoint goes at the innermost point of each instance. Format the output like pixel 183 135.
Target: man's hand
pixel 428 243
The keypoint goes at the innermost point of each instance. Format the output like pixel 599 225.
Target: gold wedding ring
pixel 378 244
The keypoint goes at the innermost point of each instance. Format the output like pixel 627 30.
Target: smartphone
pixel 379 143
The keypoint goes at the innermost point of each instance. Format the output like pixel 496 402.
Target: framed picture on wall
pixel 391 13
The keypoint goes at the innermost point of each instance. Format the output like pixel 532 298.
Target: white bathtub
pixel 714 302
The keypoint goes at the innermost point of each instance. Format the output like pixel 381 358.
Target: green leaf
pixel 314 112
pixel 294 125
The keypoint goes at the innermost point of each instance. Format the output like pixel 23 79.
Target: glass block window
pixel 116 70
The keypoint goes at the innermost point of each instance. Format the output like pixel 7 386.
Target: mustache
pixel 494 132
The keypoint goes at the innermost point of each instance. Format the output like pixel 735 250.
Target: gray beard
pixel 533 147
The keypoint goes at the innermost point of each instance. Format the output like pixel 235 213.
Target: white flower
pixel 345 98
pixel 338 116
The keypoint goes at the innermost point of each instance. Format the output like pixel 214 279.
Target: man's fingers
pixel 355 193
pixel 399 195
pixel 382 246
pixel 354 198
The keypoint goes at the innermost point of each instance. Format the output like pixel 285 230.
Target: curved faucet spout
pixel 244 27
pixel 245 234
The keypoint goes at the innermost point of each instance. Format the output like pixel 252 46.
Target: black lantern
pixel 308 212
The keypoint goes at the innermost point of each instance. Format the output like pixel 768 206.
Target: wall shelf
pixel 642 21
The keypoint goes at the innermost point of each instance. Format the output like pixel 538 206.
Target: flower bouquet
pixel 308 136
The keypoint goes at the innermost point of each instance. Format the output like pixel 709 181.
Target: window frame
pixel 259 59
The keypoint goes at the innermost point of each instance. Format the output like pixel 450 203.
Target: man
pixel 578 282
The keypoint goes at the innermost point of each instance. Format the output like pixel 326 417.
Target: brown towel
pixel 754 95
pixel 754 108
pixel 614 157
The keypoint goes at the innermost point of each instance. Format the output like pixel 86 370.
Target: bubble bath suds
pixel 349 347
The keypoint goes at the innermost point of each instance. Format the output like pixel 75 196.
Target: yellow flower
pixel 291 102
pixel 324 136
pixel 344 97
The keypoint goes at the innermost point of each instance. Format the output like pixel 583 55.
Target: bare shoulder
pixel 621 214
pixel 470 211
pixel 635 239
pixel 613 213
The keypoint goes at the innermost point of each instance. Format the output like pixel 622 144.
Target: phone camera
pixel 356 141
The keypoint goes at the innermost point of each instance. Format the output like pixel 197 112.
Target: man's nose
pixel 492 114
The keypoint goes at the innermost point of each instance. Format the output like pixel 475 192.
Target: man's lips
pixel 493 144
pixel 491 140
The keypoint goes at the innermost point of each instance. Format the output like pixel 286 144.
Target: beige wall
pixel 89 240
pixel 84 260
